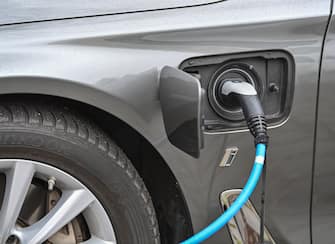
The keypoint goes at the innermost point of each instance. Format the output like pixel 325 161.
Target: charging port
pixel 270 72
pixel 228 107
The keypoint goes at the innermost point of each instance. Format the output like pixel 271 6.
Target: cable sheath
pixel 237 204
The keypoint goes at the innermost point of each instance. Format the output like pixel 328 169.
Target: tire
pixel 59 137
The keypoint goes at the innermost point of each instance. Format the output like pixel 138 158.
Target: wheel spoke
pixel 67 208
pixel 18 180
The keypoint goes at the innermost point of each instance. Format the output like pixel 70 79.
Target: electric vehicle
pixel 114 129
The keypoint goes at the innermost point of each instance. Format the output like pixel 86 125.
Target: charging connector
pixel 251 107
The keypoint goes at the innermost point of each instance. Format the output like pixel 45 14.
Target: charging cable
pixel 254 115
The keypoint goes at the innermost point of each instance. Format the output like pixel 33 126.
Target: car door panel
pixel 323 204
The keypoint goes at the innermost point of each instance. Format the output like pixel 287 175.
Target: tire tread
pixel 62 119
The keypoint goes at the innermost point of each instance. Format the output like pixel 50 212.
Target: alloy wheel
pixel 43 204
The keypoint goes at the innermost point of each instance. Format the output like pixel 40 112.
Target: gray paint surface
pixel 17 11
pixel 323 205
pixel 113 62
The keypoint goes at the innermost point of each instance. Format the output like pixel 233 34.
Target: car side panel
pixel 323 204
pixel 113 63
pixel 13 11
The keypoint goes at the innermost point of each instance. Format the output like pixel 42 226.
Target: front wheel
pixel 63 181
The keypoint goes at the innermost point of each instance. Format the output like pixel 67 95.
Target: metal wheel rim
pixel 75 199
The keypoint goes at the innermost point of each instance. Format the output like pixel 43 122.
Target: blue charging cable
pixel 238 203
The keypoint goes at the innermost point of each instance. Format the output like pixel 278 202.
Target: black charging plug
pixel 251 107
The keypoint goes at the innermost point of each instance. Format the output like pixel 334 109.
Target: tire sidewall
pixel 108 178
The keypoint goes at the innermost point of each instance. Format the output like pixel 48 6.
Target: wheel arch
pixel 108 109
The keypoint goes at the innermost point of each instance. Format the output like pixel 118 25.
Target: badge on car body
pixel 229 156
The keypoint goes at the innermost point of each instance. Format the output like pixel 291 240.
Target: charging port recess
pixel 270 72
